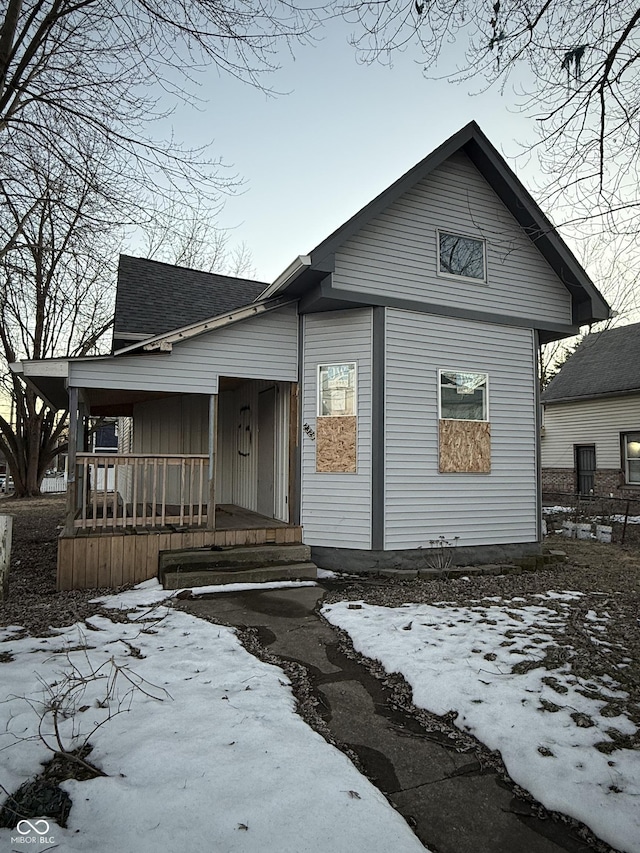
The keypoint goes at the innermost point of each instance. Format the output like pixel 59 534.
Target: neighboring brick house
pixel 591 433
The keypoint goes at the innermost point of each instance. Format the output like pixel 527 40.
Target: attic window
pixel 461 257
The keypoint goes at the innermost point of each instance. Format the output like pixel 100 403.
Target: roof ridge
pixel 190 269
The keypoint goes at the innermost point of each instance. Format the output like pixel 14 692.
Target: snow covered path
pixel 484 662
pixel 217 761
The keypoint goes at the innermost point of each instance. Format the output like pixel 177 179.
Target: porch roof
pixel 112 384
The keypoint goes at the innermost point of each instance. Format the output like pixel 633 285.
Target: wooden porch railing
pixel 115 491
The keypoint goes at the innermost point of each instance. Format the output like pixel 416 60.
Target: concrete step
pixel 241 556
pixel 237 573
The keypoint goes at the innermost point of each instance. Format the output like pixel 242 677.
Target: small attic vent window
pixel 461 257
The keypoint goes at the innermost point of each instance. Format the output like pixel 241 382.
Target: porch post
pixel 72 485
pixel 213 436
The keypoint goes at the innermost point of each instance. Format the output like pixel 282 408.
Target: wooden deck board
pixel 106 558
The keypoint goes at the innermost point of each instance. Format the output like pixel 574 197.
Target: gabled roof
pixel 588 304
pixel 605 364
pixel 165 340
pixel 154 297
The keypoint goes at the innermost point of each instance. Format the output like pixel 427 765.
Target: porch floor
pixel 228 517
pixel 231 517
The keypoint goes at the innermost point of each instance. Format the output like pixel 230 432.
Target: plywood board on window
pixel 336 445
pixel 465 447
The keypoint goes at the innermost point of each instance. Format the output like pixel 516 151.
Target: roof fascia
pixel 42 367
pixel 287 277
pixel 165 342
pixel 492 165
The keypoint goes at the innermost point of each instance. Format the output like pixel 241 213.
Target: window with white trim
pixel 337 389
pixel 464 396
pixel 461 257
pixel 631 457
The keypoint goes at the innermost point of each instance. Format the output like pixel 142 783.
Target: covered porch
pixel 191 471
pixel 207 452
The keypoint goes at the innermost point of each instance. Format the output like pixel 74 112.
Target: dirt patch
pixel 32 601
pixel 43 796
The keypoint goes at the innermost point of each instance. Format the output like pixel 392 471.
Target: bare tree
pixel 110 68
pixel 576 67
pixel 57 294
pixel 193 238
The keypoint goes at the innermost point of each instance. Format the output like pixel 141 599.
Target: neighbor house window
pixel 463 257
pixel 463 396
pixel 337 389
pixel 631 451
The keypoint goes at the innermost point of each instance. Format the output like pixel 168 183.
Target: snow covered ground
pixel 570 510
pixel 211 756
pixel 545 722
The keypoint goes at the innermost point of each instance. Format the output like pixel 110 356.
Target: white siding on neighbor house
pixel 598 422
pixel 396 253
pixel 336 508
pixel 263 347
pixel 422 504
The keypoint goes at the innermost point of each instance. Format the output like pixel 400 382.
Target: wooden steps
pixel 248 564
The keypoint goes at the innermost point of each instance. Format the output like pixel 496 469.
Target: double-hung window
pixel 631 457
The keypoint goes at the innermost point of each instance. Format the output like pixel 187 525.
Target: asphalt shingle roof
pixel 154 297
pixel 605 363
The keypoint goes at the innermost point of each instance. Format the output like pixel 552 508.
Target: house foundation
pixel 414 559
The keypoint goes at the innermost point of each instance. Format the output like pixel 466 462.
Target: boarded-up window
pixel 464 434
pixel 465 447
pixel 336 425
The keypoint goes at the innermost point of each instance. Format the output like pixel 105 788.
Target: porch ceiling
pixel 110 401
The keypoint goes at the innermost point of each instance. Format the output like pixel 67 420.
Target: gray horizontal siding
pixel 336 508
pixel 396 253
pixel 598 422
pixel 263 347
pixel 421 504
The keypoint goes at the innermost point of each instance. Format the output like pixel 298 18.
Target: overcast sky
pixel 340 134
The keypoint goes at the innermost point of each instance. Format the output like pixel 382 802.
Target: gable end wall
pixel 394 255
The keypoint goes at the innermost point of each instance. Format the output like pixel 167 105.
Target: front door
pixel 586 468
pixel 266 451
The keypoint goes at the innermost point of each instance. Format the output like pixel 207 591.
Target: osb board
pixel 336 445
pixel 113 559
pixel 465 447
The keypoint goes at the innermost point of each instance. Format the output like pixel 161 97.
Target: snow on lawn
pixel 570 510
pixel 212 756
pixel 541 721
pixel 152 592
